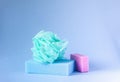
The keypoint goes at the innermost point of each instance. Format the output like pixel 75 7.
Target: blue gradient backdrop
pixel 92 27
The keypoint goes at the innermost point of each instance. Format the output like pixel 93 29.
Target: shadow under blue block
pixel 59 67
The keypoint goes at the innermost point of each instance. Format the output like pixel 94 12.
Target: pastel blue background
pixel 92 27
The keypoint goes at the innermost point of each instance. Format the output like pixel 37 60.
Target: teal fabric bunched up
pixel 48 47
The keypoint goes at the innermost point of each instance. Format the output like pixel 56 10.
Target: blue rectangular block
pixel 59 67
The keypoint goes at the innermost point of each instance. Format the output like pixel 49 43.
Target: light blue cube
pixel 59 67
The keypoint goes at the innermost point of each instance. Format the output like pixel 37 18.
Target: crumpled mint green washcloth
pixel 48 47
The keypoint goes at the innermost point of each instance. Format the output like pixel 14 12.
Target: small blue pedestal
pixel 59 67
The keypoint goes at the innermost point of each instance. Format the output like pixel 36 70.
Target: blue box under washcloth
pixel 59 67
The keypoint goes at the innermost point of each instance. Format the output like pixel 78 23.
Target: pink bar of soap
pixel 81 62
